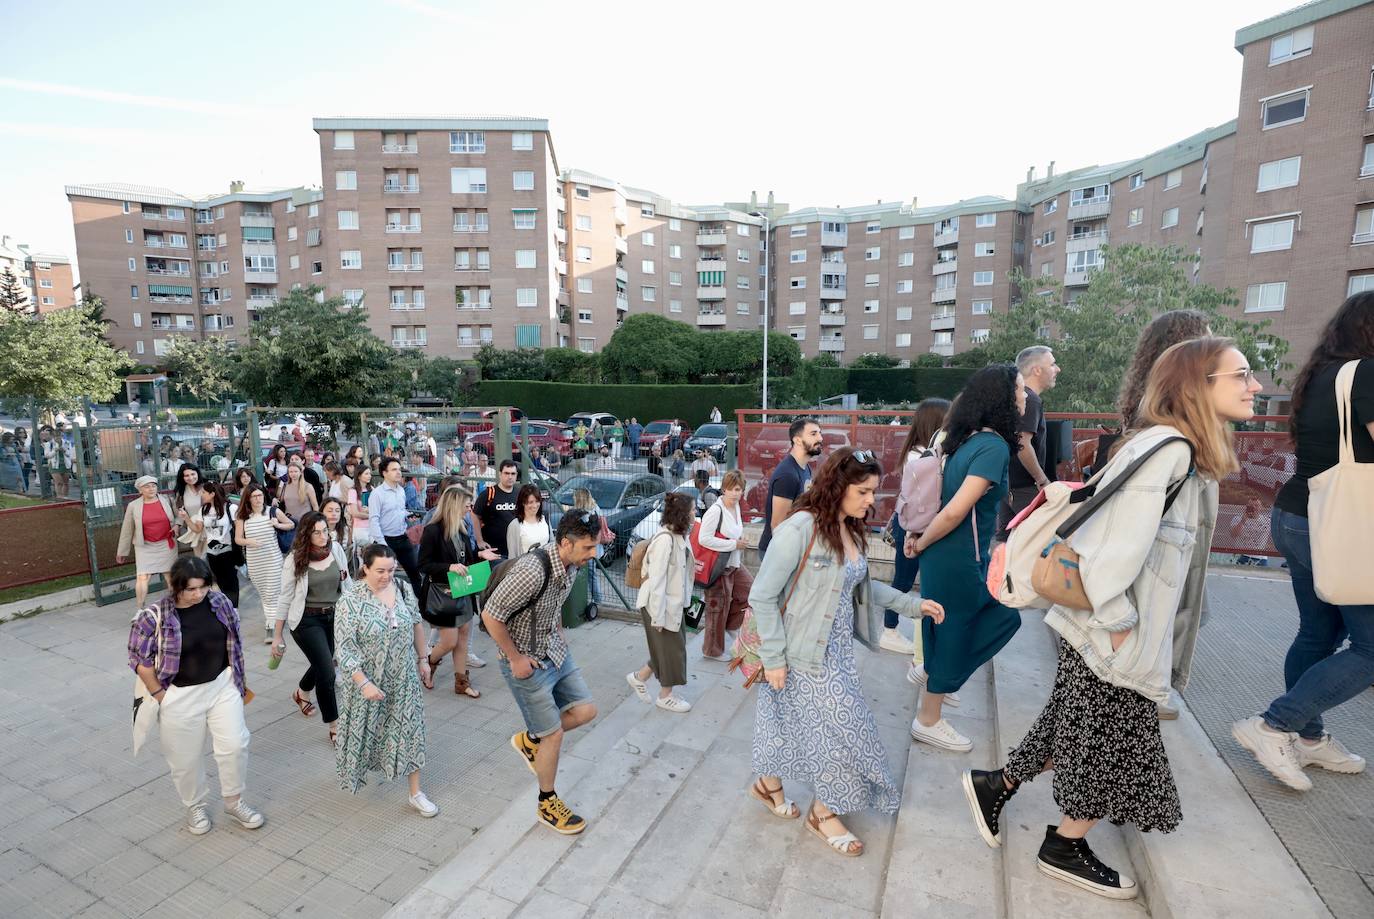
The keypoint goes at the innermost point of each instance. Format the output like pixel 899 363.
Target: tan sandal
pixel 846 844
pixel 463 687
pixel 787 810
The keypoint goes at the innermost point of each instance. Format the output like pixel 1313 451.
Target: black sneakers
pixel 987 794
pixel 1071 860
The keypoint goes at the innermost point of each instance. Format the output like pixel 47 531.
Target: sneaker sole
pixel 994 842
pixel 249 825
pixel 199 832
pixel 1111 893
pixel 1352 769
pixel 940 744
pixel 515 745
pixel 908 651
pixel 1243 738
pixel 570 831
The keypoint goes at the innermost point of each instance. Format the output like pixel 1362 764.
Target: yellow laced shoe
pixel 558 817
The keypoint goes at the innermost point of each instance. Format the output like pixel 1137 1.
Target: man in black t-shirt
pixel 1027 474
pixel 791 477
pixel 495 509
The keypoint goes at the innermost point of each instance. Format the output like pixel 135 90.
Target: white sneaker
pixel 674 704
pixel 639 687
pixel 916 675
pixel 475 661
pixel 1329 753
pixel 1273 749
pixel 940 734
pixel 425 806
pixel 894 640
pixel 248 818
pixel 724 656
pixel 198 820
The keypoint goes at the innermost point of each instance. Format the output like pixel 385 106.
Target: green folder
pixel 474 582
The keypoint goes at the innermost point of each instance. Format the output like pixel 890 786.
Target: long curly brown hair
pixel 824 499
pixel 1163 332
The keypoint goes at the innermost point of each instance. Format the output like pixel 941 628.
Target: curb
pixel 21 609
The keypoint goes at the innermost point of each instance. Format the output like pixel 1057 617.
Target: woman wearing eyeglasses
pixel 1099 731
pixel 811 598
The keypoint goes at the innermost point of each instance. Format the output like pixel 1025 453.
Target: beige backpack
pixel 634 568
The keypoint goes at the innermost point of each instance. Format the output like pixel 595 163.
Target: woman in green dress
pixel 382 648
pixel 980 435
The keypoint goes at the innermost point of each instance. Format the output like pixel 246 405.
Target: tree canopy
pixel 203 368
pixel 57 358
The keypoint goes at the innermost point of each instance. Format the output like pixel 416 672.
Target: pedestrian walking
pixel 313 577
pixel 242 478
pixel 605 462
pixel 678 468
pixel 339 483
pixel 148 532
pixel 25 450
pixel 926 423
pixel 615 438
pixel 531 528
pixel 812 723
pixel 703 463
pixel 446 545
pixel 255 529
pixel 186 506
pixel 664 593
pixel 11 465
pixel 655 463
pixel 217 527
pixel 188 652
pixel 387 508
pixel 727 600
pixel 715 414
pixel 276 465
pixel 791 476
pixel 358 512
pixel 674 436
pixel 340 532
pixel 294 494
pixel 634 431
pixel 1318 674
pixel 379 636
pixel 523 614
pixel 980 433
pixel 1099 731
pixel 1027 474
pixel 495 509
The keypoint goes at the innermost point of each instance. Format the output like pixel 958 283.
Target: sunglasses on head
pixel 863 456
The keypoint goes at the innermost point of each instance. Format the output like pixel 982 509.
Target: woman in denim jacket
pixel 812 723
pixel 1099 731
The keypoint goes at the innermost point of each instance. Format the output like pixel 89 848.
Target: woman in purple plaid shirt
pixel 196 677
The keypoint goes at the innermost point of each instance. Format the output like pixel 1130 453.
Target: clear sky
pixel 824 103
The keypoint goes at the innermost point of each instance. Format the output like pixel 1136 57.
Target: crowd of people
pixel 343 564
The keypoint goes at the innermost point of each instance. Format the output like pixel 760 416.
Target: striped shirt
pixel 535 631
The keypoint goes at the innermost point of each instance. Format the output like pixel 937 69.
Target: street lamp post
pixel 767 256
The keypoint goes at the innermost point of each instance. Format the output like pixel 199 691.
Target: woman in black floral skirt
pixel 1099 732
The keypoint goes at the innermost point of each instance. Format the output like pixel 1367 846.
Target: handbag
pixel 284 537
pixel 146 708
pixel 707 564
pixel 1338 512
pixel 745 654
pixel 693 614
pixel 440 600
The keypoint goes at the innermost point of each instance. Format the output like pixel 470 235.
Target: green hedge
pixel 887 384
pixel 625 400
pixel 944 382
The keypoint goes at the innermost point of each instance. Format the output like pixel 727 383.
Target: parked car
pixel 270 429
pixel 656 432
pixel 605 419
pixel 625 500
pixel 542 435
pixel 1269 473
pixel 475 421
pixel 712 438
pixel 650 524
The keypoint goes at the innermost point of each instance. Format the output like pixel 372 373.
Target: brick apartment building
pixel 45 277
pixel 452 232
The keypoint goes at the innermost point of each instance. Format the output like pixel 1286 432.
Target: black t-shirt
pixel 1317 431
pixel 496 509
pixel 1032 423
pixel 204 645
pixel 789 480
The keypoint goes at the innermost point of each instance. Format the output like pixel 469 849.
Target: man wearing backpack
pixel 522 611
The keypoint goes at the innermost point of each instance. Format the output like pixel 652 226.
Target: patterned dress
pixel 386 736
pixel 819 730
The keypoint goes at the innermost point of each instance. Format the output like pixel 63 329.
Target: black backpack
pixel 499 574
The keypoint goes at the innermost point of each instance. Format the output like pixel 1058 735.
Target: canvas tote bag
pixel 1340 513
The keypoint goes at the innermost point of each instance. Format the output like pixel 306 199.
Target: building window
pixel 582 191
pixel 583 253
pixel 294 262
pixel 1173 179
pixel 526 296
pixel 1359 283
pixel 467 142
pixel 646 238
pixel 646 266
pixel 584 285
pixel 133 265
pixel 1293 44
pixel 1170 218
pixel 468 180
pixel 903 313
pixel 522 140
pixel 873 226
pixel 870 332
pixel 675 251
pixel 1051 206
pixel 742 283
pixel 796 256
pixel 904 287
pixel 133 291
pixel 674 306
pixel 312 211
pixel 1288 108
pixel 872 306
pixel 586 345
pixel 343 140
pixel 796 308
pixel 1367 167
pixel 353 296
pixel 348 220
pixel 982 307
pixel 675 279
pixel 346 180
pixel 983 249
pixel 873 253
pixel 138 345
pixel 902 340
pixel 985 220
pixel 1090 194
pixel 1135 181
pixel 906 259
pixel 1047 237
pixel 797 332
pixel 1364 225
pixel 1135 216
pixel 797 283
pixel 1279 173
pixel 982 278
pixel 523 180
pixel 291 234
pixel 741 255
pixel 525 258
pixel 128 236
pixel 798 230
pixel 742 229
pixel 648 294
pixel 742 309
pixel 350 259
pixel 317 267
pixel 524 218
pixel 1265 298
pixel 646 210
pixel 906 233
pixel 1272 236
pixel 126 207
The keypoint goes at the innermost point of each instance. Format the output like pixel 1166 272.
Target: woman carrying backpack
pixel 664 592
pixel 1099 731
pixel 980 435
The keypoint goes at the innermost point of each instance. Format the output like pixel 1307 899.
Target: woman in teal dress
pixel 980 434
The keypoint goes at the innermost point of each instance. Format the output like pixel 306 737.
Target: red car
pixel 656 432
pixel 475 421
pixel 542 435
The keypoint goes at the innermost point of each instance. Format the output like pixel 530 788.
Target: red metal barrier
pixel 48 541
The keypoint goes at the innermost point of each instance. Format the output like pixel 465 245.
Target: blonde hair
pixel 303 487
pixel 582 499
pixel 1179 393
pixel 732 479
pixel 450 511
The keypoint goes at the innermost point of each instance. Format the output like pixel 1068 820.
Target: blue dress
pixel 819 730
pixel 954 572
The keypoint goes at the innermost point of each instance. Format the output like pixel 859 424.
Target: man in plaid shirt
pixel 524 616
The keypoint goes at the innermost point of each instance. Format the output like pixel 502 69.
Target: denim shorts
pixel 546 693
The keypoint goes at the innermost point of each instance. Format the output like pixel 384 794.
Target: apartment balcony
pixel 260 277
pixel 712 264
pixel 945 267
pixel 622 303
pixel 711 293
pixel 947 238
pixel 170 272
pixel 712 237
pixel 622 275
pixel 710 320
pixel 389 188
pixel 161 216
pixel 157 326
pixel 561 266
pixel 560 234
pixel 160 244
pixel 834 239
pixel 409 342
pixel 170 298
pixel 402 306
pixel 622 245
pixel 942 321
pixel 942 295
pixel 256 301
pixel 401 266
pixel 832 320
pixel 1078 278
pixel 832 345
pixel 945 350
pixel 474 307
pixel 1085 241
pixel 1090 207
pixel 833 293
pixel 403 228
pixel 257 220
pixel 620 215
pixel 834 266
pixel 400 148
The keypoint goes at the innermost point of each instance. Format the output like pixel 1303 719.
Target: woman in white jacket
pixel 664 593
pixel 722 528
pixel 1099 732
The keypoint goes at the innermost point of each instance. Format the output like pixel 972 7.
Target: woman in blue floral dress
pixel 812 723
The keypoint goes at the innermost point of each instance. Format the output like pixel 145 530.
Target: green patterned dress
pixel 386 736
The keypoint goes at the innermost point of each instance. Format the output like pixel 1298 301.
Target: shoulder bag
pixel 146 708
pixel 1338 512
pixel 745 654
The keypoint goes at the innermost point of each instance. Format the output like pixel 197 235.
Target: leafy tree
pixel 13 297
pixel 874 361
pixel 650 349
pixel 519 364
pixel 444 377
pixel 56 358
pixel 929 359
pixel 825 359
pixel 204 368
pixel 569 365
pixel 973 357
pixel 304 353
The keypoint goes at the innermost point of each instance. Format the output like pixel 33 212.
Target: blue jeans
pixel 1316 676
pixel 904 574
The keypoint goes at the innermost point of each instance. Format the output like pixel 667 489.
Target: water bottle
pixel 275 656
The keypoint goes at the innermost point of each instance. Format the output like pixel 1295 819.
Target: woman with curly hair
pixel 980 436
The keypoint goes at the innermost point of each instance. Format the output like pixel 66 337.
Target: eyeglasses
pixel 1244 373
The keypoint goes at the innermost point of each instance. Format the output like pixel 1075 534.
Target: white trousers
pixel 186 715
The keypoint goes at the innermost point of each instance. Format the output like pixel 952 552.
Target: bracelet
pixel 364 683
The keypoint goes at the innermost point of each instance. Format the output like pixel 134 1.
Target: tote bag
pixel 1340 520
